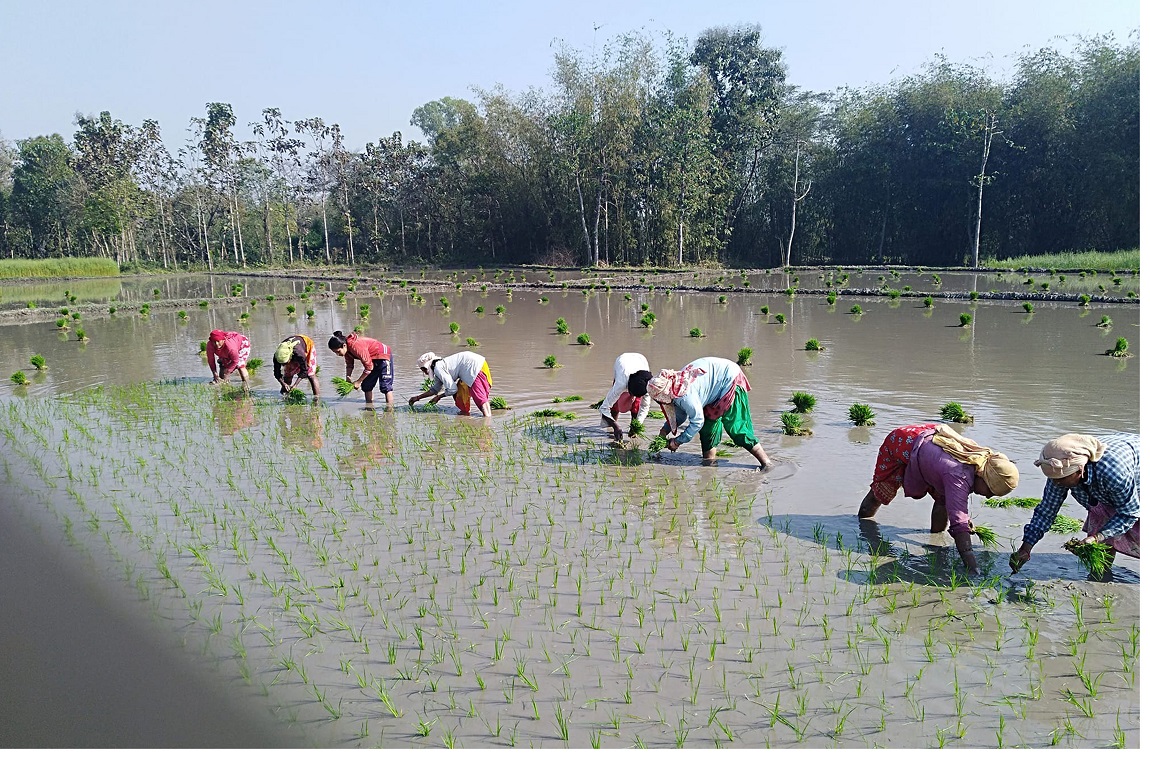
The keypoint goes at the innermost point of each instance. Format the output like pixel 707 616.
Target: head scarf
pixel 995 468
pixel 669 385
pixel 284 351
pixel 217 335
pixel 1067 454
pixel 426 360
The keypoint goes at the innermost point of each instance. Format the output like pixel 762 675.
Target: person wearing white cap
pixel 465 376
pixel 628 393
pixel 1103 476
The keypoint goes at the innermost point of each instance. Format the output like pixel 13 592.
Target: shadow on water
pixel 897 554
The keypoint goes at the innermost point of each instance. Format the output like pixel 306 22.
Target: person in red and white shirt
pixel 375 358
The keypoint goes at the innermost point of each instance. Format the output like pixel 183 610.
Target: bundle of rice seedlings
pixel 255 364
pixel 803 401
pixel 636 428
pixel 1096 557
pixel 953 412
pixel 552 413
pixel 986 536
pixel 295 396
pixel 39 362
pixel 861 414
pixel 1012 502
pixel 1065 525
pixel 793 424
pixel 657 445
pixel 572 398
pixel 745 356
pixel 343 386
pixel 498 403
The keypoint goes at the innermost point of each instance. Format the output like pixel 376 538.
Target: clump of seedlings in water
pixel 62 324
pixel 927 302
pixel 1121 348
pixel 1065 525
pixel 832 297
pixel 636 429
pixel 745 356
pixel 964 320
pixel 766 310
pixel 245 316
pixel 695 332
pixel 584 340
pixel 856 309
pixel 183 315
pixel 550 362
pixel 291 310
pixel 953 412
pixel 1083 300
pixel 1096 557
pixel 112 310
pixel 793 424
pixel 813 345
pixel 553 413
pixel 562 399
pixel 19 378
pixel 82 336
pixel 802 401
pixel 453 328
pixel 498 403
pixel 723 300
pixel 39 362
pixel 203 347
pixel 311 314
pixel 471 342
pixel 1105 321
pixel 561 326
pixel 254 364
pixel 648 319
pixel 861 414
pixel 343 386
pixel 657 445
pixel 1012 502
pixel 781 318
pixel 295 396
pixel 500 310
pixel 986 536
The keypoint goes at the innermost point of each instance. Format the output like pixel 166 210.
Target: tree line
pixel 647 151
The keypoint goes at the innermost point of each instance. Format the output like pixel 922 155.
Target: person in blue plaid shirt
pixel 1102 475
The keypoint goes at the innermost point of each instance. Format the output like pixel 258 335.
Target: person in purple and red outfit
pixel 1103 476
pixel 375 358
pixel 228 352
pixel 936 460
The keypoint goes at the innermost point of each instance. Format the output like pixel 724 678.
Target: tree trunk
pixel 326 241
pixel 796 197
pixel 987 138
pixel 583 220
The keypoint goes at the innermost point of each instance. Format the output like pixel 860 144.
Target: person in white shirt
pixel 628 393
pixel 464 375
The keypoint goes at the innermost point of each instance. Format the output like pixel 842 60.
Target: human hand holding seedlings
pixel 1020 557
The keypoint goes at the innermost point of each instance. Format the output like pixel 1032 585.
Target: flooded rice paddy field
pixel 413 578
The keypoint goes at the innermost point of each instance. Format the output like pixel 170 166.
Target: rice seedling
pixel 343 386
pixel 856 309
pixel 550 362
pixel 82 336
pixel 112 310
pixel 471 342
pixel 553 413
pixel 1105 321
pixel 1065 525
pixel 245 316
pixel 927 302
pixel 584 340
pixel 695 332
pixel 745 356
pixel 793 424
pixel 974 295
pixel 295 396
pixel 39 362
pixel 444 302
pixel 648 319
pixel 1121 348
pixel 500 310
pixel 1028 307
pixel 310 314
pixel 498 403
pixel 561 326
pixel 765 310
pixel 572 398
pixel 832 297
pixel 62 323
pixel 722 300
pixel 19 378
pixel 453 328
pixel 964 320
pixel 657 445
pixel 802 401
pixel 1084 300
pixel 30 304
pixel 814 345
pixel 781 318
pixel 254 364
pixel 861 414
pixel 291 310
pixel 986 536
pixel 1012 502
pixel 1096 557
pixel 478 309
pixel 183 316
pixel 953 413
pixel 203 346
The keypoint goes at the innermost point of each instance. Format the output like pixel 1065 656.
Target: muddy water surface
pixel 419 579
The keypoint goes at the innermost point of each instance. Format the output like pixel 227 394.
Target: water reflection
pixel 301 426
pixel 233 411
pixel 373 439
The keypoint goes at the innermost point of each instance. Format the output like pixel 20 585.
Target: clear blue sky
pixel 368 65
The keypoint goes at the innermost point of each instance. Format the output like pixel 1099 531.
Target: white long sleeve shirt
pixel 462 366
pixel 626 365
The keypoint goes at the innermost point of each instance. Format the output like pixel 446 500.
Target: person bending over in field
pixel 1103 476
pixel 295 357
pixel 707 397
pixel 936 460
pixel 464 375
pixel 228 352
pixel 375 358
pixel 628 393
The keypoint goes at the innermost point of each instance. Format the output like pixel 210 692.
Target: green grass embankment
pixel 1122 260
pixel 57 268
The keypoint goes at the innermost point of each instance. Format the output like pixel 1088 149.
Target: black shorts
pixel 381 373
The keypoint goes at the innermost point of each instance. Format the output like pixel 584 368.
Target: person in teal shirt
pixel 707 397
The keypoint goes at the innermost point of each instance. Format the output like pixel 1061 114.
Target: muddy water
pixel 511 585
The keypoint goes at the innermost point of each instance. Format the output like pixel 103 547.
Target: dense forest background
pixel 648 151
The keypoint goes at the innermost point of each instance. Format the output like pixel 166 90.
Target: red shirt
pixel 229 353
pixel 366 350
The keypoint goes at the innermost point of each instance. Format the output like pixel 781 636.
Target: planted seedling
pixel 478 309
pixel 183 315
pixel 927 302
pixel 766 310
pixel 861 414
pixel 964 320
pixel 39 362
pixel 813 345
pixel 856 309
pixel 1028 307
pixel 745 356
pixel 471 342
pixel 82 336
pixel 343 386
pixel 802 401
pixel 561 326
pixel 831 298
pixel 1105 321
pixel 453 328
pixel 550 362
pixel 1121 348
pixel 1083 300
pixel 695 332
pixel 648 319
pixel 953 412
pixel 584 340
pixel 19 378
pixel 500 310
pixel 553 413
pixel 781 318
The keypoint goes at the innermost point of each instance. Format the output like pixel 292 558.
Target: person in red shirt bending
pixel 228 352
pixel 375 358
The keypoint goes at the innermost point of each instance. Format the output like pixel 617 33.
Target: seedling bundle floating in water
pixel 343 386
pixel 953 412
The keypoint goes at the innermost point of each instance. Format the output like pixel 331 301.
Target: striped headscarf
pixel 669 385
